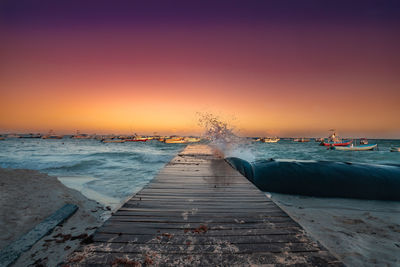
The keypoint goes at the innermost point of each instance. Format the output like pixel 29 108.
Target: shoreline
pixel 28 197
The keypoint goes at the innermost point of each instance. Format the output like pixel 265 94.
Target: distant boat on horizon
pixel 355 148
pixel 78 135
pixel 113 141
pixel 301 140
pixel 270 139
pixel 177 140
pixel 52 135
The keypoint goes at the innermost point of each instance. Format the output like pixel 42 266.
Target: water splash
pixel 224 137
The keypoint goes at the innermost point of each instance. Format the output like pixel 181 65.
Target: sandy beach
pixel 358 232
pixel 28 197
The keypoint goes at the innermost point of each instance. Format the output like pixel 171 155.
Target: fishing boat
pixel 78 135
pixel 301 140
pixel 52 135
pixel 355 148
pixel 342 143
pixel 395 149
pixel 363 141
pixel 178 140
pixel 270 140
pixel 333 140
pixel 113 141
pixel 192 139
pixel 136 139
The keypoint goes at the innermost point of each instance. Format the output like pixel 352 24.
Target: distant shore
pixel 28 197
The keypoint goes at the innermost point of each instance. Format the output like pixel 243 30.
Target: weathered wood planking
pixel 200 211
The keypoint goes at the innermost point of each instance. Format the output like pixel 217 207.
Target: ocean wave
pixel 81 165
pixel 113 154
pixel 142 157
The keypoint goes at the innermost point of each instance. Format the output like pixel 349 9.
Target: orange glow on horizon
pixel 55 82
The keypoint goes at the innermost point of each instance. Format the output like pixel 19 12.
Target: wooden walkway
pixel 200 211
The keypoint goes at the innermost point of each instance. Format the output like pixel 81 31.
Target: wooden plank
pixel 207 248
pixel 185 239
pixel 150 230
pixel 320 258
pixel 11 253
pixel 200 219
pixel 200 211
pixel 207 214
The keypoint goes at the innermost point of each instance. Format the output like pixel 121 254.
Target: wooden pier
pixel 200 211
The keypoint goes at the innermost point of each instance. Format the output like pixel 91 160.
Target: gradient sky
pixel 287 68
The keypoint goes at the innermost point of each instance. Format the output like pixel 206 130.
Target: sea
pixel 109 173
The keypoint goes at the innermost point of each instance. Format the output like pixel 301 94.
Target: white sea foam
pixel 224 137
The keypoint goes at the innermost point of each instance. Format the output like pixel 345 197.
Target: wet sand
pixel 358 232
pixel 28 197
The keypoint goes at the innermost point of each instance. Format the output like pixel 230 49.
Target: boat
pixel 2 138
pixel 78 135
pixel 52 135
pixel 136 139
pixel 333 140
pixel 343 143
pixel 178 140
pixel 319 140
pixel 363 141
pixel 30 135
pixel 301 140
pixel 113 141
pixel 192 139
pixel 395 149
pixel 355 148
pixel 270 140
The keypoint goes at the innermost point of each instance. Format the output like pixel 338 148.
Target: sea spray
pixel 223 137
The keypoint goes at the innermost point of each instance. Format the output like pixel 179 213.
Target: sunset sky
pixel 285 68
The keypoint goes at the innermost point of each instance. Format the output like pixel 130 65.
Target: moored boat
pixel 363 141
pixel 395 149
pixel 342 143
pixel 301 140
pixel 192 139
pixel 177 140
pixel 270 140
pixel 355 148
pixel 78 135
pixel 136 139
pixel 113 141
pixel 52 135
pixel 333 140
